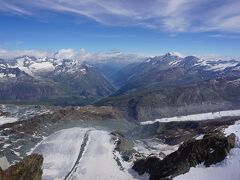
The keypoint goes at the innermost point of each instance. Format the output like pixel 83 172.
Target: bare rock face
pixel 212 149
pixel 30 168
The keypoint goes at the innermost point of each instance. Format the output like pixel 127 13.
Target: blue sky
pixel 136 26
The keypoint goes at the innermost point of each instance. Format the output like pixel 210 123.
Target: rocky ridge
pixel 212 149
pixel 30 168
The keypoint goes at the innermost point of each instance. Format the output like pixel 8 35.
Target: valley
pixel 119 90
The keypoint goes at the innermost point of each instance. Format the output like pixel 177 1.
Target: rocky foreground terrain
pixel 75 141
pixel 29 168
pixel 213 148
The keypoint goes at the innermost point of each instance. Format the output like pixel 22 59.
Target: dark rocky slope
pixel 173 133
pixel 16 85
pixel 30 168
pixel 211 149
pixel 156 102
pixel 170 69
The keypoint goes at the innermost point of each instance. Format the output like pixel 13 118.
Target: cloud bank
pixel 97 57
pixel 81 55
pixel 172 16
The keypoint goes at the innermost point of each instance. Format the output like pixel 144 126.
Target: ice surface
pixel 41 67
pixel 197 117
pixel 81 153
pixel 60 151
pixel 99 161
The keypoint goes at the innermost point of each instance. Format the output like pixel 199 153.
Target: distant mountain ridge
pixel 171 85
pixel 171 69
pixel 60 81
pixel 156 83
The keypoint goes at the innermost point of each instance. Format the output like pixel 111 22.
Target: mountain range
pixel 48 80
pixel 159 86
pixel 165 117
pixel 171 85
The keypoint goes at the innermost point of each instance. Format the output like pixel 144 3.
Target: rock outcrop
pixel 212 149
pixel 2 113
pixel 30 168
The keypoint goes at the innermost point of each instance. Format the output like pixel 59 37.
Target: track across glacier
pixel 83 153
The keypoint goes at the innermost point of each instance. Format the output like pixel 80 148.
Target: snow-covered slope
pixel 175 60
pixel 39 66
pixel 99 160
pixel 82 153
pixel 60 152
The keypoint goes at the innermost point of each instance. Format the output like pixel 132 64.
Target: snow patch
pixel 5 120
pixel 197 117
pixel 83 71
pixel 200 137
pixel 4 164
pixel 151 146
pixel 2 75
pixel 174 62
pixel 41 67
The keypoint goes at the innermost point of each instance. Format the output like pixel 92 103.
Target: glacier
pixel 83 153
pixel 196 117
pixel 60 151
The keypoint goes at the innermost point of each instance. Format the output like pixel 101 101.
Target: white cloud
pixel 65 54
pixel 9 7
pixel 94 57
pixel 81 55
pixel 166 15
pixel 214 57
pixel 4 54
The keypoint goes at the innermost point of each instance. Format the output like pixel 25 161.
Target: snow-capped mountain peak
pixel 41 67
pixel 172 60
pixel 173 54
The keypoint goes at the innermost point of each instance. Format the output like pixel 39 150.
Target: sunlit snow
pixel 60 152
pixel 197 117
pixel 81 153
pixel 41 67
pixel 4 120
